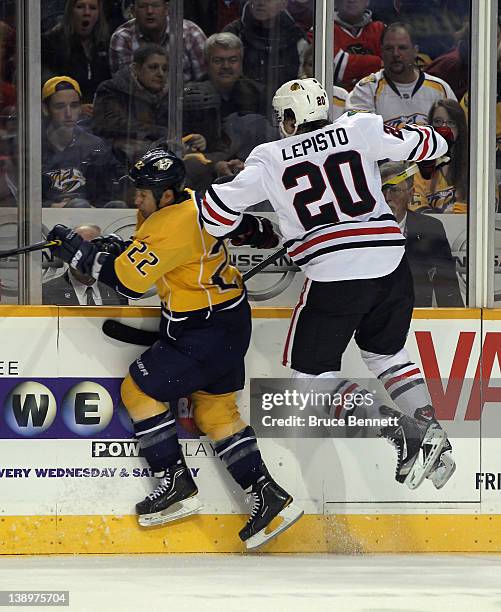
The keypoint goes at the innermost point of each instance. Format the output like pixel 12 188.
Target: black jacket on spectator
pixel 86 168
pixel 270 55
pixel 58 61
pixel 247 96
pixel 129 116
pixel 432 265
pixel 132 118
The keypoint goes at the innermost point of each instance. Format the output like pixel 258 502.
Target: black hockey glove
pixel 111 243
pixel 74 250
pixel 428 168
pixel 257 232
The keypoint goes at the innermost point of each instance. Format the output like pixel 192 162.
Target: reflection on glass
pixel 8 154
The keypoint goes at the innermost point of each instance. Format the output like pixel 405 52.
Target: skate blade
pixel 289 514
pixel 441 478
pixel 188 506
pixel 419 471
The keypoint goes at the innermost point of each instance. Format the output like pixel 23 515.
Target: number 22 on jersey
pixel 141 257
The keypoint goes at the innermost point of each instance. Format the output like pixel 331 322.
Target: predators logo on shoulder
pixel 370 78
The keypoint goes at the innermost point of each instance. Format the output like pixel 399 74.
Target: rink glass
pixel 21 189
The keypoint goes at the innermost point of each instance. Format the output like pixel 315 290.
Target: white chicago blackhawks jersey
pixel 398 103
pixel 326 190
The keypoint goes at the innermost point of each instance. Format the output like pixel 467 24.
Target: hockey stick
pixel 282 251
pixel 38 246
pixel 127 333
pixel 394 180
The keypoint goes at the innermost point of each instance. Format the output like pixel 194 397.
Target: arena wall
pixel 70 473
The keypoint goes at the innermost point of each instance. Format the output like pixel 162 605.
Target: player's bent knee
pixel 217 415
pixel 378 364
pixel 139 405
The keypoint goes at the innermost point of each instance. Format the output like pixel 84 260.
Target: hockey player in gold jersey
pixel 204 334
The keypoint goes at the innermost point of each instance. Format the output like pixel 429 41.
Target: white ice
pixel 259 582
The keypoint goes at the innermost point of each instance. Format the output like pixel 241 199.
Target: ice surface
pixel 259 582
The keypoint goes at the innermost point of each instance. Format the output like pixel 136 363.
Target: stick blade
pixel 129 335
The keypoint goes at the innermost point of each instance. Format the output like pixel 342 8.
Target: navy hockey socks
pixel 242 457
pixel 158 441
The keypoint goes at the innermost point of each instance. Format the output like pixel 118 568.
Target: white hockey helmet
pixel 306 98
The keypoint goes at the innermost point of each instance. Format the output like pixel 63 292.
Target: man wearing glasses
pixel 428 252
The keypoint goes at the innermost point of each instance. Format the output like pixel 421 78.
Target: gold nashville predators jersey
pixel 172 250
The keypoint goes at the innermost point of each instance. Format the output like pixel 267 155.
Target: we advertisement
pixel 65 408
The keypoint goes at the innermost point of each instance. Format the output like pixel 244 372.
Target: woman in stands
pixel 78 47
pixel 446 191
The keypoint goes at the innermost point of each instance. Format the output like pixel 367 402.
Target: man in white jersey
pixel 400 92
pixel 324 184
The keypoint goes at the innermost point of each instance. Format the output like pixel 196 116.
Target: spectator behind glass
pixel 239 94
pixel 78 47
pixel 151 25
pixel 339 95
pixel 241 101
pixel 400 92
pixel 434 22
pixel 132 112
pixel 427 248
pixel 274 44
pixel 213 15
pixel 75 163
pixel 454 65
pixel 357 42
pixel 76 289
pixel 447 190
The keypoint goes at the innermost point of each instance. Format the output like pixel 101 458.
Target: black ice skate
pixel 270 501
pixel 419 445
pixel 445 466
pixel 174 497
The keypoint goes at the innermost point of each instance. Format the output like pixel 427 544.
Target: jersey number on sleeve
pixel 353 200
pixel 148 258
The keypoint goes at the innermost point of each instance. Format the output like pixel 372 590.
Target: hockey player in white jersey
pixel 323 181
